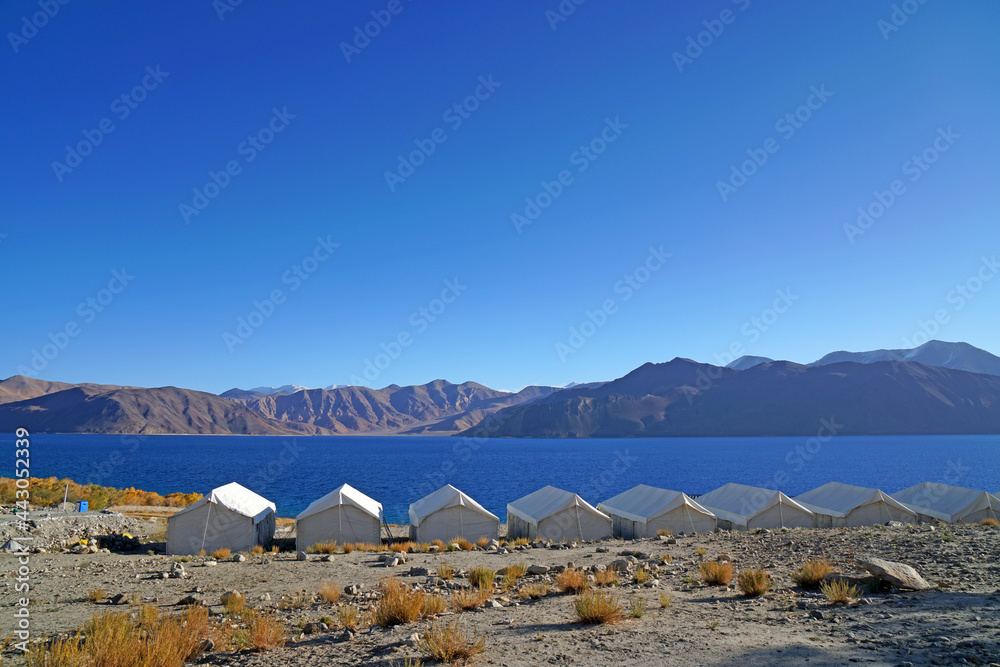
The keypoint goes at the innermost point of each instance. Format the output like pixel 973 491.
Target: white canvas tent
pixel 553 514
pixel 643 510
pixel 230 517
pixel 836 504
pixel 741 507
pixel 950 504
pixel 345 515
pixel 448 513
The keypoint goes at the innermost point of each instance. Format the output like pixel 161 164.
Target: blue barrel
pixel 81 506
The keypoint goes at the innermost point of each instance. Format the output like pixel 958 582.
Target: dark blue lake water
pixel 292 472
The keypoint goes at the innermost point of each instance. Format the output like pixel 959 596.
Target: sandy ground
pixel 958 622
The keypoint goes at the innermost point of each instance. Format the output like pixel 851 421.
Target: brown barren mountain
pixel 86 409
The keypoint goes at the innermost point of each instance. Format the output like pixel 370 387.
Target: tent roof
pixel 943 501
pixel 238 499
pixel 643 502
pixel 446 496
pixel 836 499
pixel 739 502
pixel 545 502
pixel 345 494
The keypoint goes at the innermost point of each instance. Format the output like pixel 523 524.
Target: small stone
pixel 118 599
pixel 301 555
pixel 817 614
pixel 239 558
pixel 602 550
pixel 538 569
pixel 188 601
pixel 493 604
pixel 391 562
pixel 209 563
pixel 328 558
pixel 353 589
pixel 434 549
pixel 311 628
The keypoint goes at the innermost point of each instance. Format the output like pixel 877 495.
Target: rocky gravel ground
pixel 956 621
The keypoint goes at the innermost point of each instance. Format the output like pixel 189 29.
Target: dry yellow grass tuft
pixel 482 577
pixel 220 554
pixel 989 522
pixel 446 570
pixel 754 582
pixel 257 550
pixel 517 570
pixel 433 604
pixel 663 532
pixel 534 591
pixel 465 599
pixel 349 617
pixel 637 609
pixel 642 576
pixel 115 639
pixel 812 572
pixel 295 601
pixel 598 607
pixel 329 592
pixel 572 580
pixel 324 548
pixel 463 544
pixel 839 590
pixel 437 543
pixel 399 604
pixel 96 595
pixel 665 599
pixel 482 542
pixel 606 577
pixel 234 604
pixel 265 631
pixel 449 643
pixel 715 573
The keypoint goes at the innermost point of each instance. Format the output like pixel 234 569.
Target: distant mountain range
pixel 936 388
pixel 957 356
pixel 685 398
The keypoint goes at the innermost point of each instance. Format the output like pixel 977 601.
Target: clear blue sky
pixel 887 95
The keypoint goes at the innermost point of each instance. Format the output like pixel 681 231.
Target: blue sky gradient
pixel 436 261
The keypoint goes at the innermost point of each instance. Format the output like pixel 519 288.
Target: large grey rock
pixel 899 575
pixel 537 569
pixel 621 565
